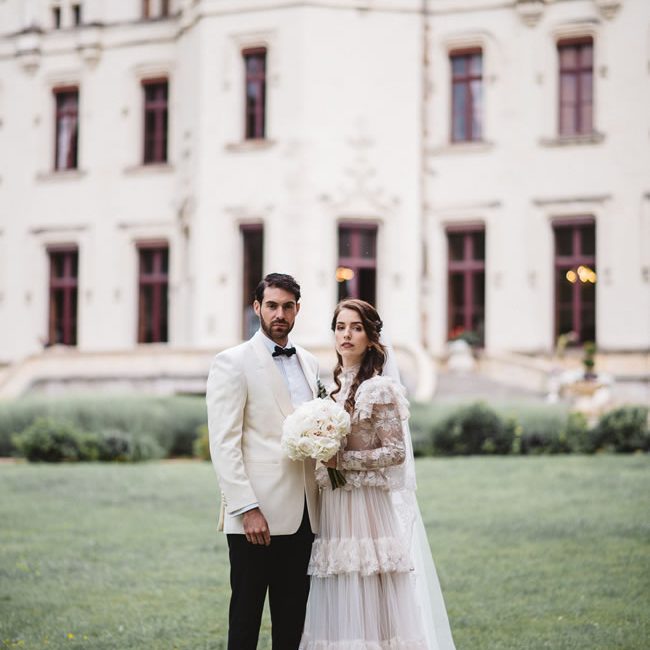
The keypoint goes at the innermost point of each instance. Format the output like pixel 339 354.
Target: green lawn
pixel 533 553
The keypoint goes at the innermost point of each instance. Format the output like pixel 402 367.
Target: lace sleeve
pixel 379 410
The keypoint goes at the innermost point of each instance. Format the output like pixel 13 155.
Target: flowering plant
pixel 315 430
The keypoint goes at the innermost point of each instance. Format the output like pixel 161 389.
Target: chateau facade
pixel 477 168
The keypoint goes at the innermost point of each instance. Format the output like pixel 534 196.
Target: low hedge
pixel 624 429
pixel 170 422
pixel 476 428
pixel 53 441
pixel 139 428
pixel 202 443
pixel 473 429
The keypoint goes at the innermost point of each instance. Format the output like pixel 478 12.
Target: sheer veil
pixel 403 488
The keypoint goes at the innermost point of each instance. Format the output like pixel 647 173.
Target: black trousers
pixel 281 568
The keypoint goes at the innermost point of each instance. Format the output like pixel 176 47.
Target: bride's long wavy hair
pixel 373 360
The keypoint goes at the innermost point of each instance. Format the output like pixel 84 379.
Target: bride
pixel 373 582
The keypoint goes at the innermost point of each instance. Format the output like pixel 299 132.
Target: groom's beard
pixel 276 334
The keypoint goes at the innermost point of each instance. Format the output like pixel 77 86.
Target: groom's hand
pixel 256 528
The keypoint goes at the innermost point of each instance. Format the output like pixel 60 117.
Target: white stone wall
pixel 522 177
pixel 348 99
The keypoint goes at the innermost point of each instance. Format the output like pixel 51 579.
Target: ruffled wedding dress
pixel 362 594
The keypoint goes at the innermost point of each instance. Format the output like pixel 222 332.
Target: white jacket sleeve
pixel 226 399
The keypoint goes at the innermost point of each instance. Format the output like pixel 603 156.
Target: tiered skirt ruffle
pixel 361 595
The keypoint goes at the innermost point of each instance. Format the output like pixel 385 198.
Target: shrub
pixel 624 429
pixel 185 417
pixel 554 435
pixel 473 429
pixel 51 441
pixel 543 436
pixel 202 443
pixel 424 416
pixel 576 432
pixel 114 446
pixel 123 447
pixel 170 421
pixel 145 448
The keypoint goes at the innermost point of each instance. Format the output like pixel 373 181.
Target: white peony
pixel 315 430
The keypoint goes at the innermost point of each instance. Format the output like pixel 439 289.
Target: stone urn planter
pixel 460 357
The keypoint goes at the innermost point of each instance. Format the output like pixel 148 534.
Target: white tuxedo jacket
pixel 248 401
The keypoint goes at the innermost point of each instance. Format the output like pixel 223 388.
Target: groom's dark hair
pixel 280 281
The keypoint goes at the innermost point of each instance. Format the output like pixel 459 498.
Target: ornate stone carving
pixel 89 44
pixel 360 193
pixel 28 49
pixel 608 8
pixel 530 11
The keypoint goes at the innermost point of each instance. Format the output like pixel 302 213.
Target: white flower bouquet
pixel 315 430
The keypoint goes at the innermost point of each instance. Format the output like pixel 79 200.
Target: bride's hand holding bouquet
pixel 315 430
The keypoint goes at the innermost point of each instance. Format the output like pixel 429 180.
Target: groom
pixel 269 503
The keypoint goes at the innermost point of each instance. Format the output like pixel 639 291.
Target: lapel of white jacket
pixel 308 371
pixel 276 381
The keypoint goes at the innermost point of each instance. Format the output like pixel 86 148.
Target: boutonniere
pixel 322 391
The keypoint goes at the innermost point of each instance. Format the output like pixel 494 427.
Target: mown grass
pixel 533 553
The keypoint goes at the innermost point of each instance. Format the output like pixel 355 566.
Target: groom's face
pixel 277 313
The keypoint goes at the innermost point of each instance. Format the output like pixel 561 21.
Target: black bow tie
pixel 286 351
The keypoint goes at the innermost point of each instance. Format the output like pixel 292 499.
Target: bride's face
pixel 351 339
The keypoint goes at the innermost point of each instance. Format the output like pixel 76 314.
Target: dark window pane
pixel 460 131
pixel 564 241
pixel 62 326
pixel 587 295
pixel 575 290
pixel 576 88
pixel 163 297
pixel 565 286
pixel 367 283
pixel 587 56
pixel 457 291
pixel 146 295
pixel 253 250
pixel 466 283
pixel 343 290
pixel 565 320
pixel 58 265
pixel 156 116
pixel 456 246
pixel 66 129
pixel 458 66
pixel 478 245
pixel 368 244
pixel 58 298
pixel 356 273
pixel 588 240
pixel 568 57
pixel 476 92
pixel 255 85
pixel 72 317
pixel 345 242
pixel 164 260
pixel 478 282
pixel 476 64
pixel 146 261
pixel 153 308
